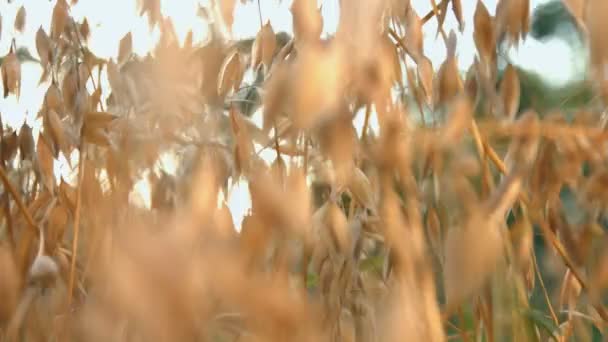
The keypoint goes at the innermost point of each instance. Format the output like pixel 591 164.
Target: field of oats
pixel 467 205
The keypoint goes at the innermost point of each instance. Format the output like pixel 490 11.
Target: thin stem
pixel 260 14
pixel 81 168
pixel 544 289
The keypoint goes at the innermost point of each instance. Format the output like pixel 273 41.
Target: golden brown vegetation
pixel 417 232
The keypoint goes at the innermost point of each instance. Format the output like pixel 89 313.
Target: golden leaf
pixel 336 222
pixel 95 136
pixel 125 48
pixel 457 10
pixel 596 25
pixel 45 163
pixel 43 47
pixel 11 74
pixel 152 8
pixel 59 19
pixel 227 12
pixel 441 12
pixel 115 78
pixel 95 98
pixel 20 20
pixel 69 87
pixel 307 20
pixel 415 38
pixel 53 99
pixel 361 188
pixel 10 145
pixel 512 19
pixel 263 47
pixel 484 36
pixel 85 30
pixel 99 120
pixel 26 142
pixel 9 287
pixel 577 10
pixel 450 83
pixel 425 77
pixel 509 92
pixel 230 74
pixel 244 148
pixel 57 132
pixel 317 82
pixel 459 120
pixel 471 254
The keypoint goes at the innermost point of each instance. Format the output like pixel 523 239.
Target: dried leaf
pixel 11 74
pixel 59 19
pixel 230 74
pixel 509 92
pixel 9 286
pixel 43 47
pixel 484 37
pixel 361 188
pixel 472 252
pixel 335 221
pixel 425 77
pixel 415 38
pixel 316 84
pixel 20 20
pixel 226 8
pixel 57 131
pixel 577 10
pixel 10 144
pixel 441 11
pixel 512 20
pixel 450 83
pixel 152 9
pixel 457 10
pixel 263 48
pixel 53 99
pixel 125 48
pixel 307 20
pixel 45 163
pixel 99 120
pixel 460 115
pixel 85 30
pixel 26 142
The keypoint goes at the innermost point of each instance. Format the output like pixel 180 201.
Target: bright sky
pixel 110 20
